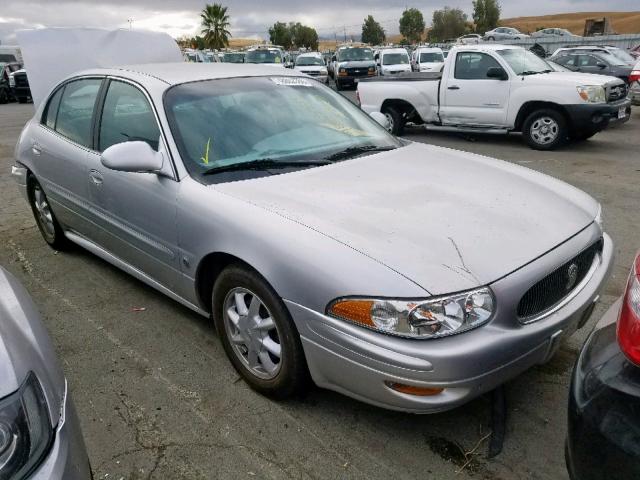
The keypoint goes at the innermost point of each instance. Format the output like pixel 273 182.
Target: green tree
pixel 280 34
pixel 412 25
pixel 215 22
pixel 448 23
pixel 486 14
pixel 372 32
pixel 304 36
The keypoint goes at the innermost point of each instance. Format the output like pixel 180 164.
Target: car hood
pixel 446 219
pixel 25 346
pixel 575 78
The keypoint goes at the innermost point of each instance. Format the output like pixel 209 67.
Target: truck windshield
pixel 395 59
pixel 263 56
pixel 223 124
pixel 309 61
pixel 524 62
pixel 432 57
pixel 355 54
pixel 233 58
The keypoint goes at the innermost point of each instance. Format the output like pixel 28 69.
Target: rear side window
pixel 127 117
pixel 51 112
pixel 76 110
pixel 473 65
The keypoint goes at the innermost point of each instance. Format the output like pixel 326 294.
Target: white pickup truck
pixel 500 89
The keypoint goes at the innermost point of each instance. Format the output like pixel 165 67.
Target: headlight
pixel 12 81
pixel 592 93
pixel 25 430
pixel 598 218
pixel 323 71
pixel 429 318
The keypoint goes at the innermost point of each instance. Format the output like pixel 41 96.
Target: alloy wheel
pixel 544 130
pixel 44 215
pixel 252 333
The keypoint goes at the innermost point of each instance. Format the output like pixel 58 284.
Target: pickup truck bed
pixel 407 77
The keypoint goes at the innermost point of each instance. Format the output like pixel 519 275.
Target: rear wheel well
pixel 208 271
pixel 530 107
pixel 407 110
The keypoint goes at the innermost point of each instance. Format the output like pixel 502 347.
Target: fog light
pixel 413 390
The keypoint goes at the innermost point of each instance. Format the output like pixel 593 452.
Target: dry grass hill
pixel 621 22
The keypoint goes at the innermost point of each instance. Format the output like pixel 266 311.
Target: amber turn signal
pixel 413 390
pixel 358 311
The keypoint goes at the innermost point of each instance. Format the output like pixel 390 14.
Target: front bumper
pixel 19 175
pixel 596 117
pixel 634 94
pixel 351 80
pixel 604 404
pixel 67 459
pixel 357 362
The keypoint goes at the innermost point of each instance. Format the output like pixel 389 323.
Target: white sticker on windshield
pixel 293 81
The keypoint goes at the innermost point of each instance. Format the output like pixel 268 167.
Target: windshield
pixel 233 58
pixel 623 56
pixel 432 57
pixel 524 62
pixel 309 61
pixel 395 58
pixel 263 56
pixel 7 58
pixel 219 123
pixel 355 54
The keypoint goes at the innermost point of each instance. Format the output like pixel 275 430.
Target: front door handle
pixel 36 149
pixel 96 177
pixel 454 87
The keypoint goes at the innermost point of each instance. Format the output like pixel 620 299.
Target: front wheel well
pixel 208 271
pixel 530 107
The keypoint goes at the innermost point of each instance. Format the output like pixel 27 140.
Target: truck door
pixel 469 97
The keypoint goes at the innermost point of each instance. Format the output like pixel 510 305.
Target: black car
pixel 604 401
pixel 20 86
pixel 597 62
pixel 6 93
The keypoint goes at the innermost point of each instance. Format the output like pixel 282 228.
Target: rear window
pixel 432 57
pixel 395 59
pixel 76 110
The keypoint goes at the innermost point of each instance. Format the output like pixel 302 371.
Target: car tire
pixel 396 121
pixel 545 129
pixel 22 99
pixel 252 342
pixel 492 39
pixel 48 225
pixel 4 96
pixel 338 86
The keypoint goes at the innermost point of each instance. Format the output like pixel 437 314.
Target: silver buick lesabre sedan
pixel 40 435
pixel 408 276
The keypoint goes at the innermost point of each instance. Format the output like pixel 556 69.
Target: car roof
pixel 393 50
pixel 182 72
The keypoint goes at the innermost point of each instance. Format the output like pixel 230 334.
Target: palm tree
pixel 215 22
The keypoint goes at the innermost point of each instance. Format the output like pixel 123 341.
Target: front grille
pixel 314 73
pixel 616 92
pixel 21 79
pixel 358 72
pixel 556 286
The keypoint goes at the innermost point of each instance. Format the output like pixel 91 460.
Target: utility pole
pixel 345 34
pixel 130 20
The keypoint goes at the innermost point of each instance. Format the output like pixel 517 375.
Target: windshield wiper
pixel 531 72
pixel 351 152
pixel 263 164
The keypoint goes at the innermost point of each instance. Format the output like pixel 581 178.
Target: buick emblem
pixel 572 276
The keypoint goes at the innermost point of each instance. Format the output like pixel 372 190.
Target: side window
pixel 567 60
pixel 587 61
pixel 127 116
pixel 76 110
pixel 51 112
pixel 473 65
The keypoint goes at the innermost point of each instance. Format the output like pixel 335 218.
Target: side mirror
pixel 132 157
pixel 497 73
pixel 601 65
pixel 382 119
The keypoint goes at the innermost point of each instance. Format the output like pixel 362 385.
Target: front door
pixel 469 97
pixel 137 211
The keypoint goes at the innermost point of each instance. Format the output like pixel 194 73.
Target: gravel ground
pixel 157 397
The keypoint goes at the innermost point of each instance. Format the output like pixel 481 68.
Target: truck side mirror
pixel 601 65
pixel 497 73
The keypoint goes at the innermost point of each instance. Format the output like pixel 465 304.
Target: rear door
pixel 470 98
pixel 61 149
pixel 137 211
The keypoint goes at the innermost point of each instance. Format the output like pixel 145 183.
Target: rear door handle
pixel 453 87
pixel 96 177
pixel 36 149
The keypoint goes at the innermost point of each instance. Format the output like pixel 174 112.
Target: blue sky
pixel 251 18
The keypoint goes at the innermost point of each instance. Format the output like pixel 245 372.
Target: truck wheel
pixel 4 96
pixel 396 121
pixel 545 129
pixel 22 99
pixel 258 333
pixel 338 86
